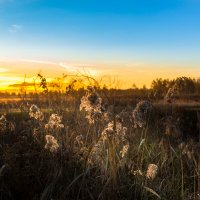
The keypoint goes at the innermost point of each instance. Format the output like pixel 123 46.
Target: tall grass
pixel 99 152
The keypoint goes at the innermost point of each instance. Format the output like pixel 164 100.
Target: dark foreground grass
pixel 29 171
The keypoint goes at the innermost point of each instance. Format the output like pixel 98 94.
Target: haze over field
pixel 132 41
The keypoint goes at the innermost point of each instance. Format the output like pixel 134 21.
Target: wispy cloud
pixel 38 61
pixel 15 28
pixel 69 67
pixel 79 69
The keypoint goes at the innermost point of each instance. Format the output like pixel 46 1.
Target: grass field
pixel 90 147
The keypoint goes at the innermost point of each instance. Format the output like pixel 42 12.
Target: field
pixel 99 144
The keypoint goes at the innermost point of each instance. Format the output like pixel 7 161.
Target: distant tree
pixel 134 86
pixel 197 86
pixel 185 85
pixel 159 87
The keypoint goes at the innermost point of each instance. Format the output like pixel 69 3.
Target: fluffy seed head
pixel 51 143
pixel 139 113
pixel 34 112
pixel 124 151
pixel 152 171
pixel 92 104
pixel 54 122
pixel 3 122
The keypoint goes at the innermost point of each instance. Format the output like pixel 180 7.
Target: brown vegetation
pixel 99 143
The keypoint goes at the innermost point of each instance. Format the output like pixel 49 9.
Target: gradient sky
pixel 135 41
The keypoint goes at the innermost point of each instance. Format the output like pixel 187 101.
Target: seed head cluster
pixel 34 112
pixel 152 171
pixel 92 104
pixel 116 130
pixel 80 149
pixel 3 123
pixel 113 131
pixel 137 172
pixel 187 149
pixel 139 113
pixel 51 143
pixel 54 122
pixel 124 151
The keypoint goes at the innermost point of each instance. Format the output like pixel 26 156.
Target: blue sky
pixel 86 29
pixel 164 33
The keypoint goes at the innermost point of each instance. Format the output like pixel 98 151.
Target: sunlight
pixel 79 69
pixel 3 70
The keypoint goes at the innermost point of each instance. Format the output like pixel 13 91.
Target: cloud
pixel 15 28
pixel 69 67
pixel 77 68
pixel 27 84
pixel 38 61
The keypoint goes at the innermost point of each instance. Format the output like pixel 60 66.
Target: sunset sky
pixel 134 41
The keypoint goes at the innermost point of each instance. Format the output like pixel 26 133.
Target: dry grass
pixel 98 153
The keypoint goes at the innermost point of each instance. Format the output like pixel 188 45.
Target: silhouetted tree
pixel 160 87
pixel 185 85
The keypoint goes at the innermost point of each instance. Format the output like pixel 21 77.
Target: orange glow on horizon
pixel 124 77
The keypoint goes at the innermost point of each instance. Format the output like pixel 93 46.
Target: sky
pixel 135 41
